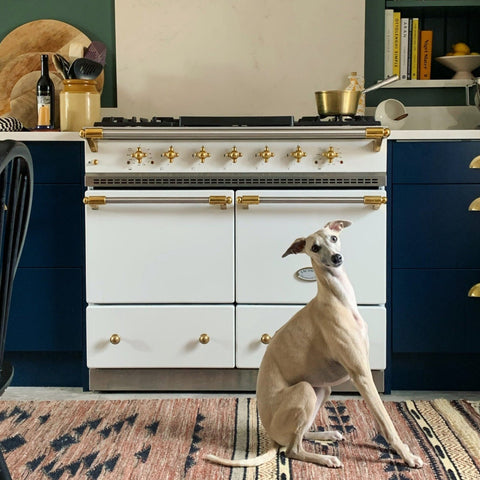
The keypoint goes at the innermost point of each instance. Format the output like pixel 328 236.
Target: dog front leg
pixel 366 387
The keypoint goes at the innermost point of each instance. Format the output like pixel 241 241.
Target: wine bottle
pixel 45 98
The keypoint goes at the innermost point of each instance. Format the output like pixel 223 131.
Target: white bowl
pixel 463 65
pixel 388 111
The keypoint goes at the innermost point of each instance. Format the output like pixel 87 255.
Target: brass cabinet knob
pixel 115 339
pixel 202 154
pixel 204 339
pixel 298 154
pixel 475 205
pixel 234 154
pixel 265 338
pixel 330 154
pixel 475 163
pixel 138 155
pixel 474 291
pixel 266 154
pixel 170 154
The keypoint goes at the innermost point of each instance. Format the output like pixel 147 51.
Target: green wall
pixel 95 18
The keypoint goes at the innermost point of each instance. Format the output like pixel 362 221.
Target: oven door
pixel 265 230
pixel 150 246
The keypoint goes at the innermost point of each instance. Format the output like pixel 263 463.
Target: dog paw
pixel 414 461
pixel 332 436
pixel 332 462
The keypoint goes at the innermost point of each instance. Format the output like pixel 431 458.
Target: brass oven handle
pixel 374 201
pixel 95 200
pixel 474 291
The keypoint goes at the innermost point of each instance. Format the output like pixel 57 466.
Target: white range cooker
pixel 186 223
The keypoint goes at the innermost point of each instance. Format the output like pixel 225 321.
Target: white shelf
pixel 430 83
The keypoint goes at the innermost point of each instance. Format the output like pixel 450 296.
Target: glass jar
pixel 79 104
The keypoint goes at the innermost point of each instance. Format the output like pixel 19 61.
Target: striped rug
pixel 167 439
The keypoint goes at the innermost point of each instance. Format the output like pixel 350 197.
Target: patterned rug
pixel 167 439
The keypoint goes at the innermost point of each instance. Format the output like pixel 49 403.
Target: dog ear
pixel 338 225
pixel 296 247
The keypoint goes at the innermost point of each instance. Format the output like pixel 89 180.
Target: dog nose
pixel 337 259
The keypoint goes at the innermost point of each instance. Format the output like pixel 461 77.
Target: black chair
pixel 16 190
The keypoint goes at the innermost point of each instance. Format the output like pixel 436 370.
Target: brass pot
pixel 344 102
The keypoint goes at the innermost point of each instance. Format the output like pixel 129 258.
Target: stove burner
pixel 336 121
pixel 272 121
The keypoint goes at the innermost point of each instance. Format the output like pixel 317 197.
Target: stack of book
pixel 408 48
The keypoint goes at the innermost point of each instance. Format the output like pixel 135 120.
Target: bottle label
pixel 44 110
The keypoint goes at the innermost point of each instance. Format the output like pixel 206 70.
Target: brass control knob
pixel 266 154
pixel 170 154
pixel 265 338
pixel 202 154
pixel 298 154
pixel 330 154
pixel 138 155
pixel 115 339
pixel 204 339
pixel 234 154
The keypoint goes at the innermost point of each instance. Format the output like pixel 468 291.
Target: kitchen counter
pixel 41 136
pixel 435 134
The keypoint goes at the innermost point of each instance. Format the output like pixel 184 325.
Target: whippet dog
pixel 322 345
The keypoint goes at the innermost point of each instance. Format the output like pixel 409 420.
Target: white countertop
pixel 435 135
pixel 41 136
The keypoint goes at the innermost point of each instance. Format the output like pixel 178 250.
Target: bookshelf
pixel 450 20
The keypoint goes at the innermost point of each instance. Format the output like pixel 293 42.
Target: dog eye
pixel 315 248
pixel 333 238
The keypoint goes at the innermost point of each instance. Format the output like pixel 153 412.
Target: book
pixel 414 49
pixel 388 57
pixel 404 48
pixel 425 62
pixel 396 43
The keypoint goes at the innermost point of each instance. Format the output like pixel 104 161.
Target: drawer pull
pixel 474 291
pixel 204 339
pixel 475 163
pixel 115 339
pixel 475 205
pixel 265 338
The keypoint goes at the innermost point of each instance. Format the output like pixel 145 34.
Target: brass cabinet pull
pixel 475 205
pixel 265 338
pixel 115 339
pixel 474 291
pixel 204 339
pixel 475 163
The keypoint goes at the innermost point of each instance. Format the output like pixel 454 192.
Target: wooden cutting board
pixel 20 54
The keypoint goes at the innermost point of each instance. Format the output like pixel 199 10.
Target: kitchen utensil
pixel 463 65
pixel 86 69
pixel 97 51
pixel 345 102
pixel 62 64
pixel 391 113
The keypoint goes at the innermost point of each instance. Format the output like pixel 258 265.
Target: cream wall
pixel 233 57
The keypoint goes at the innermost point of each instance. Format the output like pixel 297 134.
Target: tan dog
pixel 322 345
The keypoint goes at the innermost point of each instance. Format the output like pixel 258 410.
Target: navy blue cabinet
pixel 45 330
pixel 435 260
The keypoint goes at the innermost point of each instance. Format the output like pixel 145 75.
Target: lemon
pixel 461 48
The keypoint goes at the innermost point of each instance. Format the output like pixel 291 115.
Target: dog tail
pixel 249 462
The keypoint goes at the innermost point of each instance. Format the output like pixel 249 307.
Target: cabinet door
pixel 432 313
pixel 160 336
pixel 254 321
pixel 433 228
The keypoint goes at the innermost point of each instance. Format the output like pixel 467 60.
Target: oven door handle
pixel 375 201
pixel 94 201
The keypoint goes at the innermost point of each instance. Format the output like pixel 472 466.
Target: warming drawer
pixel 173 336
pixel 255 322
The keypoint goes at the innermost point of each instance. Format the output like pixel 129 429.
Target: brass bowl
pixel 337 102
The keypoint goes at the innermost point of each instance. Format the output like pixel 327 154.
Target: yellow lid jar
pixel 79 104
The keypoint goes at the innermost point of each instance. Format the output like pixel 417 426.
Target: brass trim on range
pixel 92 135
pixel 377 134
pixel 475 205
pixel 375 201
pixel 95 200
pixel 475 163
pixel 474 291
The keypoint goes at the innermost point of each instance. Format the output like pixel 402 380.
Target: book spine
pixel 396 43
pixel 404 49
pixel 388 60
pixel 415 34
pixel 426 37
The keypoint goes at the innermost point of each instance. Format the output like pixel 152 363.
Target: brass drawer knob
pixel 474 291
pixel 265 338
pixel 115 339
pixel 204 339
pixel 475 163
pixel 475 205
